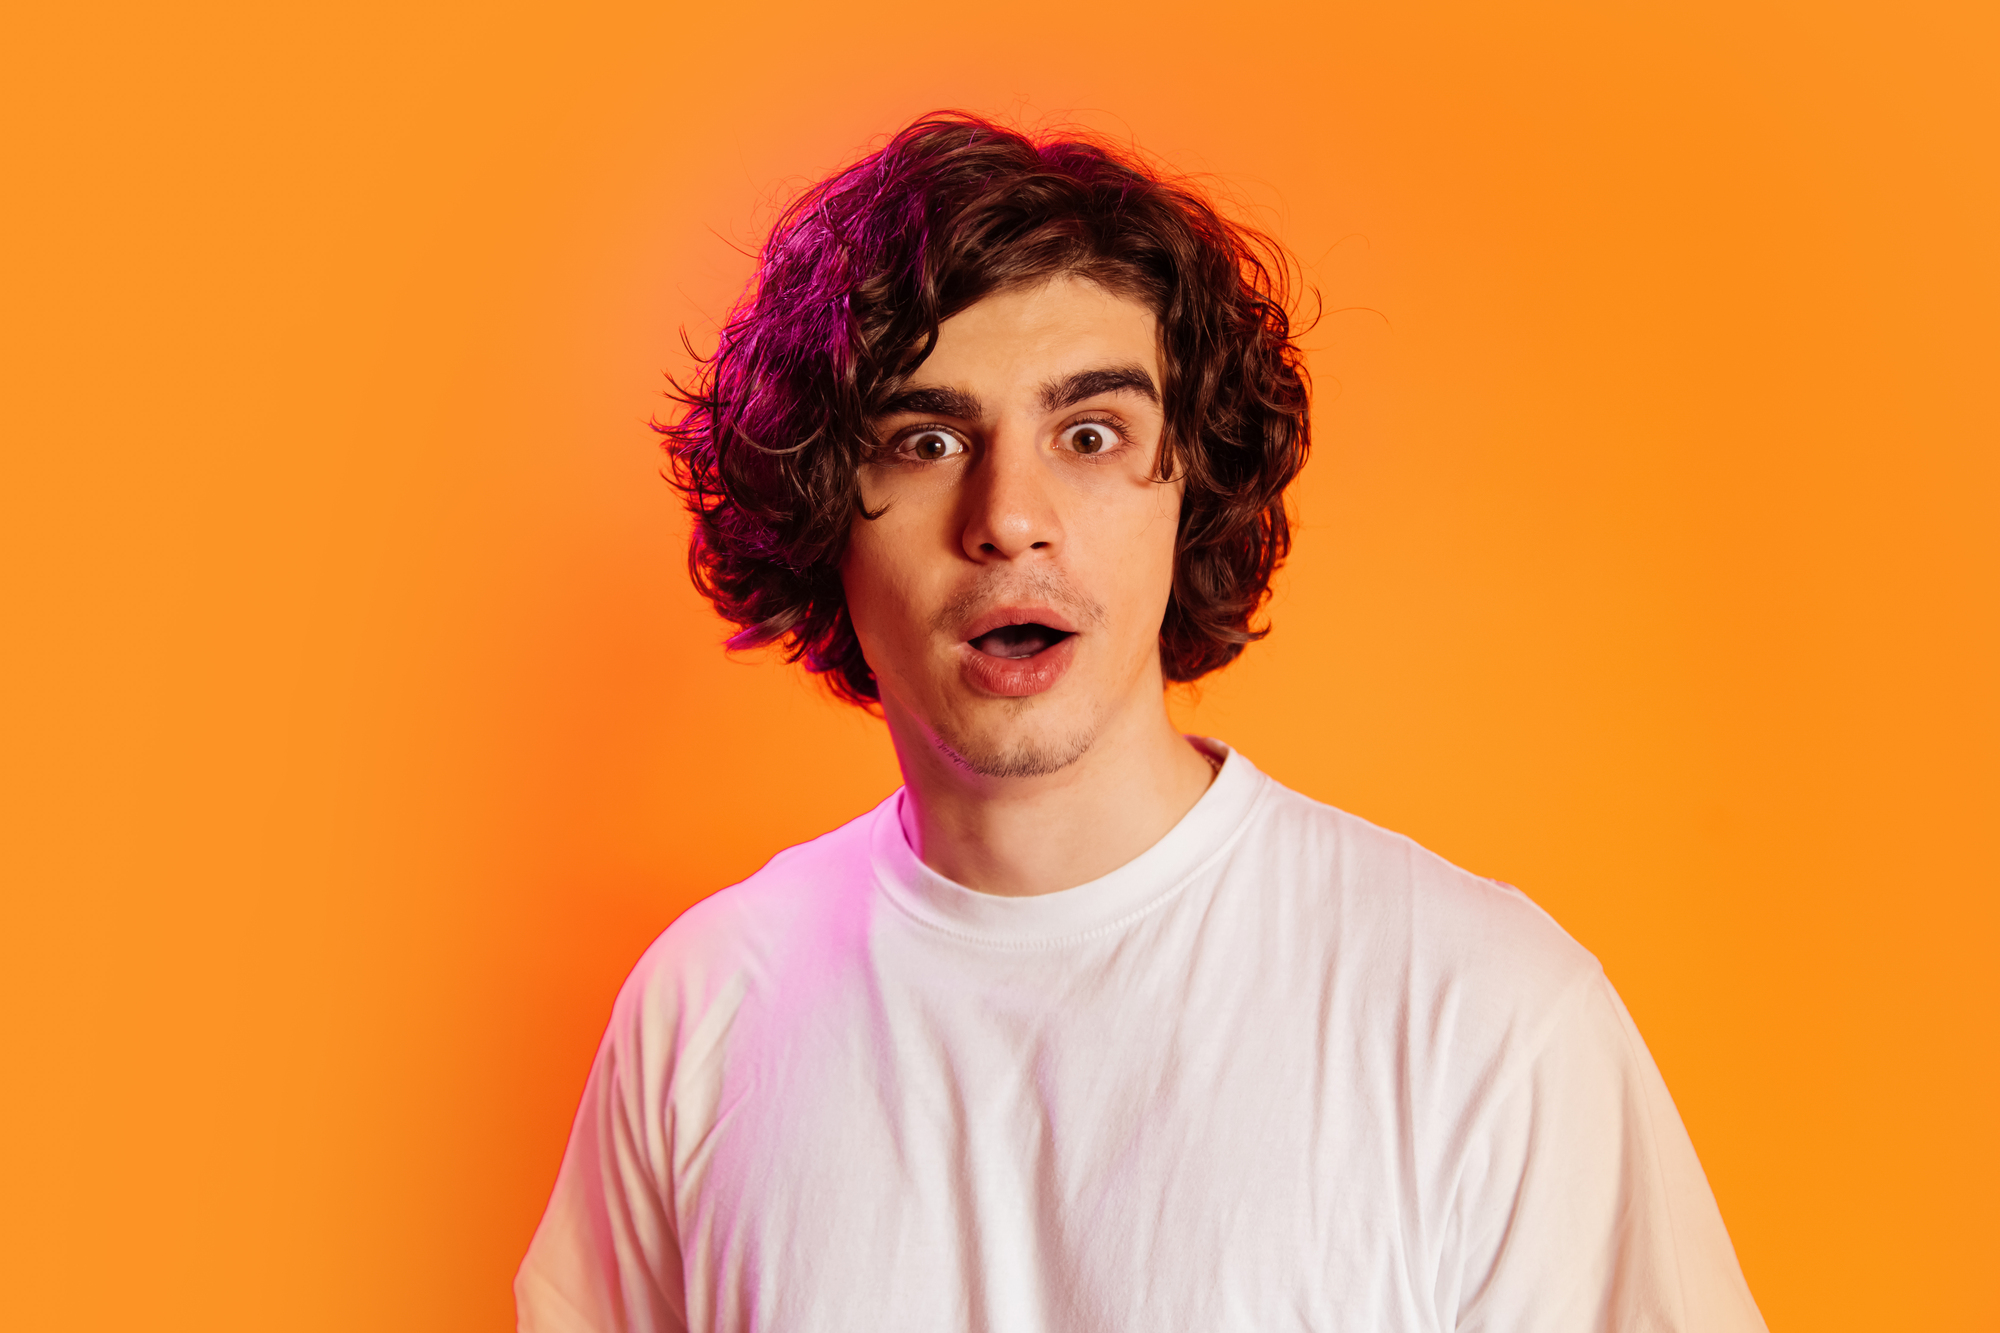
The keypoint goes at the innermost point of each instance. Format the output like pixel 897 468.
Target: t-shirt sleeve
pixel 606 1258
pixel 1582 1205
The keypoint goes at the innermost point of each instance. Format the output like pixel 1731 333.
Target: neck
pixel 1019 837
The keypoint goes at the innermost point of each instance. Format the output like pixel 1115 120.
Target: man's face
pixel 1009 597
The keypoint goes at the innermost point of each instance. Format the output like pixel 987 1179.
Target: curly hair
pixel 851 286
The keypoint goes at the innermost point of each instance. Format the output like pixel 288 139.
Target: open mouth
pixel 1015 651
pixel 1015 642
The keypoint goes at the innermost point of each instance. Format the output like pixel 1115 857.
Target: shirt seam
pixel 576 1319
pixel 1569 997
pixel 1627 1031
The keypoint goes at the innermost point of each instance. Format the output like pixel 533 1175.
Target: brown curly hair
pixel 851 287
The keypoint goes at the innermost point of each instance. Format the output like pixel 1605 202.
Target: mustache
pixel 1046 587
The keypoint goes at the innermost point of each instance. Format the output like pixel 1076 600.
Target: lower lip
pixel 1018 677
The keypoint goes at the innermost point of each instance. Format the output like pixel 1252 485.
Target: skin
pixel 1016 481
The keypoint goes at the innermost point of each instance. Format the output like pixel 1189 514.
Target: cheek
pixel 1154 543
pixel 861 580
pixel 879 578
pixel 1136 544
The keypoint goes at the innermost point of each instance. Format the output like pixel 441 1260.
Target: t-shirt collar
pixel 1144 882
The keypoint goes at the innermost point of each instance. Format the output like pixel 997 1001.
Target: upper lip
pixel 988 621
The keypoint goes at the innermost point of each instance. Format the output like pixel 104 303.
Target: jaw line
pixel 1024 762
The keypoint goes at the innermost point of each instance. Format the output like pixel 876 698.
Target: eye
pixel 1091 437
pixel 930 445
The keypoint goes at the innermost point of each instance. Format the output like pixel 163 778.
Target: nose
pixel 1010 505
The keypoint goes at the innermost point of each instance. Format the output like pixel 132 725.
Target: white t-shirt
pixel 1283 1071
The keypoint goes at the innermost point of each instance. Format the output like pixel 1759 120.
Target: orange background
pixel 361 727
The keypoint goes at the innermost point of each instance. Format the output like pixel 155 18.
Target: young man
pixel 1091 1026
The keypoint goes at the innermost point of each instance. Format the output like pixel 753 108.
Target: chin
pixel 1016 747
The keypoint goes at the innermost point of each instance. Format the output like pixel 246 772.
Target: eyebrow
pixel 938 400
pixel 1073 389
pixel 934 401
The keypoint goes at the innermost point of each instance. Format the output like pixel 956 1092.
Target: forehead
pixel 1019 337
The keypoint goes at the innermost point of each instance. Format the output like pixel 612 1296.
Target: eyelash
pixel 1111 423
pixel 909 436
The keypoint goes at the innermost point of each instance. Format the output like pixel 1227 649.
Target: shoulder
pixel 1467 949
pixel 743 936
